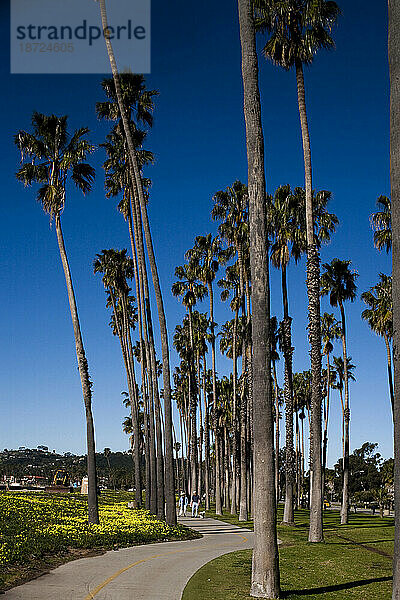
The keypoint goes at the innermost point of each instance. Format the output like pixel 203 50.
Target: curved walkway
pixel 152 572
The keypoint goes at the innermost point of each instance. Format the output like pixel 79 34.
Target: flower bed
pixel 34 524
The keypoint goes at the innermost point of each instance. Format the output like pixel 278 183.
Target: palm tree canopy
pixel 226 337
pixel 137 100
pixel 116 268
pixel 232 207
pixel 286 222
pixel 339 369
pixel 379 313
pixel 297 28
pixel 51 156
pixel 338 281
pixel 381 222
pixel 230 285
pixel 330 331
pixel 206 256
pixel 188 288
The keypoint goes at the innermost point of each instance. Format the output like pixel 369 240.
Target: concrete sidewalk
pixel 151 572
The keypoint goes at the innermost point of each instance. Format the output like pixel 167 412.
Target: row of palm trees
pixel 50 157
pixel 296 30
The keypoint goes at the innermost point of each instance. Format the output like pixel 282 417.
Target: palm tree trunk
pixel 298 460
pixel 344 513
pixel 389 364
pixel 149 363
pixel 313 291
pixel 201 431
pixel 150 354
pixel 127 355
pixel 93 510
pixel 326 419
pixel 206 439
pixel 235 457
pixel 169 459
pixel 265 566
pixel 193 411
pixel 394 69
pixel 140 314
pixel 288 512
pixel 276 433
pixel 218 498
pixel 243 506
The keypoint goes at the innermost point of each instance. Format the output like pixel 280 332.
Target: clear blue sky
pixel 198 140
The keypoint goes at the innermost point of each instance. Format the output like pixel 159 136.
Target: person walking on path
pixel 183 502
pixel 195 504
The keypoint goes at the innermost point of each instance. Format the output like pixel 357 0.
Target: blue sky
pixel 198 140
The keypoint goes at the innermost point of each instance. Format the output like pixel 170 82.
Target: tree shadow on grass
pixel 335 588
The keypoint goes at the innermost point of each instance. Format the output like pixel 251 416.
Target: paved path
pixel 152 572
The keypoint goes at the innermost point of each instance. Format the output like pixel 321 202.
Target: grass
pixel 354 563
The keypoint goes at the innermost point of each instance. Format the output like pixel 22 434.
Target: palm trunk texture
pixel 265 580
pixel 313 292
pixel 93 509
pixel 394 69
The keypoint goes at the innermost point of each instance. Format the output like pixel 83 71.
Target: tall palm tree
pixel 52 158
pixel 117 268
pixel 330 330
pixel 379 316
pixel 274 341
pixel 381 222
pixel 232 344
pixel 338 384
pixel 138 105
pixel 394 70
pixel 339 282
pixel 137 184
pixel 297 30
pixel 190 291
pixel 282 227
pixel 205 258
pixel 232 207
pixel 265 580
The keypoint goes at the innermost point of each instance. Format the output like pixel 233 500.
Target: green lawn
pixel 338 569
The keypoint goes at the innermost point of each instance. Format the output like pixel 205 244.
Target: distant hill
pixel 114 470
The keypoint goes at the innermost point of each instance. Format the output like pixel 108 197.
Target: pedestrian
pixel 195 503
pixel 183 502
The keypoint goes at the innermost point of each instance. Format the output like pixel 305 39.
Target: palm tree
pixel 330 330
pixel 297 30
pixel 107 453
pixel 274 341
pixel 381 222
pixel 379 316
pixel 265 566
pixel 339 282
pixel 205 258
pixel 52 157
pixel 394 70
pixel 190 291
pixel 117 268
pixel 338 384
pixel 232 344
pixel 138 105
pixel 137 185
pixel 282 227
pixel 232 207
